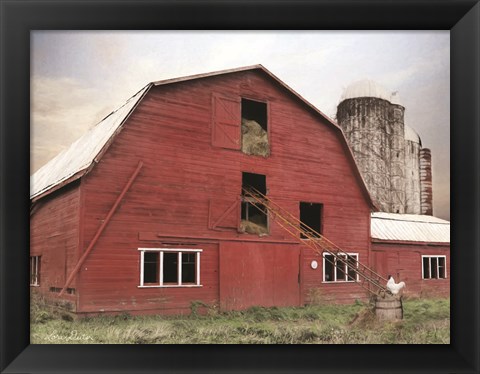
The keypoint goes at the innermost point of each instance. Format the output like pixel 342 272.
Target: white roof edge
pixel 409 217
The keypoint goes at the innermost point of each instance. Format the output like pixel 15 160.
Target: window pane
pixel 31 271
pixel 441 267
pixel 150 267
pixel 433 268
pixel 170 267
pixel 244 210
pixel 341 268
pixel 329 268
pixel 426 268
pixel 188 267
pixel 352 264
pixel 35 270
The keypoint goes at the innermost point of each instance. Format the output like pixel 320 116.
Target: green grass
pixel 426 321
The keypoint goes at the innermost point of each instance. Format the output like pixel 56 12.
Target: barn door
pixel 258 274
pixel 226 122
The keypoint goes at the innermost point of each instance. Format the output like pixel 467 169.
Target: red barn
pixel 145 213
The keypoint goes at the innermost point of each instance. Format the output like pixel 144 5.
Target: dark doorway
pixel 311 219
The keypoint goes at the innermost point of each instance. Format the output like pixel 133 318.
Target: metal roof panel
pixel 409 227
pixel 82 153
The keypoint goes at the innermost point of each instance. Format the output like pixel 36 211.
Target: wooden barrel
pixel 388 308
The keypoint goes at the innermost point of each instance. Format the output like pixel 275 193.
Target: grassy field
pixel 426 321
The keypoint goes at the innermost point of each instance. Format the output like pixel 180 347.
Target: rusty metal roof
pixel 81 154
pixel 409 227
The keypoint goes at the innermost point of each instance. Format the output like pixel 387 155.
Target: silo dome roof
pixel 369 88
pixel 411 135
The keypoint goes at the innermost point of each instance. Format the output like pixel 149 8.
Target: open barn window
pixel 254 128
pixel 434 267
pixel 35 270
pixel 311 219
pixel 340 268
pixel 254 219
pixel 164 267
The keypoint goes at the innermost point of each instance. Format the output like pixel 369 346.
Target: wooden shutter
pixel 224 214
pixel 226 122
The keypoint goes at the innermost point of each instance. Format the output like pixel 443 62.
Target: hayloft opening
pixel 254 128
pixel 311 219
pixel 252 182
pixel 254 218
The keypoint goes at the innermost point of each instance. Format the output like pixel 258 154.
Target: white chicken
pixel 393 287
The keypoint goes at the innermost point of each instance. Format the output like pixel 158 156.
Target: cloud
pixel 79 77
pixel 62 109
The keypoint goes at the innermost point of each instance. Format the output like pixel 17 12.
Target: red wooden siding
pixel 404 263
pixel 54 235
pixel 111 278
pixel 317 291
pixel 258 274
pixel 191 177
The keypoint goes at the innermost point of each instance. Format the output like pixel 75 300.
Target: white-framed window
pixel 434 267
pixel 340 268
pixel 35 270
pixel 169 267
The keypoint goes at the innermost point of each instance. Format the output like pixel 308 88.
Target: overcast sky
pixel 80 77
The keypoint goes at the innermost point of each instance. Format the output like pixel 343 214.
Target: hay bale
pixel 254 138
pixel 253 228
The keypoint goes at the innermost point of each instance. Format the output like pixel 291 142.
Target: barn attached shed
pixel 414 249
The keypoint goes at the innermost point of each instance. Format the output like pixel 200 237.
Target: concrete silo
pixel 413 145
pixel 395 167
pixel 373 122
pixel 426 188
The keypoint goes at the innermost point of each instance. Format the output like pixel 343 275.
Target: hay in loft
pixel 253 228
pixel 254 138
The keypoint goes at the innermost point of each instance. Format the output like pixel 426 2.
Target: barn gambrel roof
pixel 78 159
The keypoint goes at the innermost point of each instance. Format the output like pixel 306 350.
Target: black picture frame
pixel 19 17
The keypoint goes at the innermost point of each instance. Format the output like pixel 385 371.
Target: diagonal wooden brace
pixel 101 228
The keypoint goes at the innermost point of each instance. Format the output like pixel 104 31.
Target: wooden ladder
pixel 373 282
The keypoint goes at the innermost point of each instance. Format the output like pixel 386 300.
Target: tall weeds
pixel 425 322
